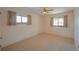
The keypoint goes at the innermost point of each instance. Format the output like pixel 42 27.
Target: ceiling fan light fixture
pixel 45 10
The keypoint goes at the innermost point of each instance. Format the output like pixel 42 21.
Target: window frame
pixel 64 20
pixel 21 20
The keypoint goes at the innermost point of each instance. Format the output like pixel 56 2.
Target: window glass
pixel 55 21
pixel 61 22
pixel 58 21
pixel 24 19
pixel 18 19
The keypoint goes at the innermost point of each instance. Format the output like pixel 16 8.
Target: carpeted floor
pixel 43 42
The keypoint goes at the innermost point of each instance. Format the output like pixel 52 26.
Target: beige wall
pixel 0 25
pixel 12 34
pixel 66 32
pixel 0 29
pixel 76 32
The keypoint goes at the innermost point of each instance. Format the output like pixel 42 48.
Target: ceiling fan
pixel 46 10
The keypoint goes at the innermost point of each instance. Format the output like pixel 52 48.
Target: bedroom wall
pixel 0 25
pixel 62 31
pixel 0 29
pixel 76 32
pixel 12 34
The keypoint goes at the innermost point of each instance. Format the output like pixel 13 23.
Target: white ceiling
pixel 56 10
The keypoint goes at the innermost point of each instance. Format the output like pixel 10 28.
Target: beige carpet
pixel 43 42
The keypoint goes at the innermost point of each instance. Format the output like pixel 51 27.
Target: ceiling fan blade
pixel 50 10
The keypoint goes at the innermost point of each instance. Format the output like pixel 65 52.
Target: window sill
pixel 21 23
pixel 58 26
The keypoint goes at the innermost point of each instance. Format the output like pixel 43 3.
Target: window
pixel 59 21
pixel 21 19
pixel 24 19
pixel 14 19
pixel 18 19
